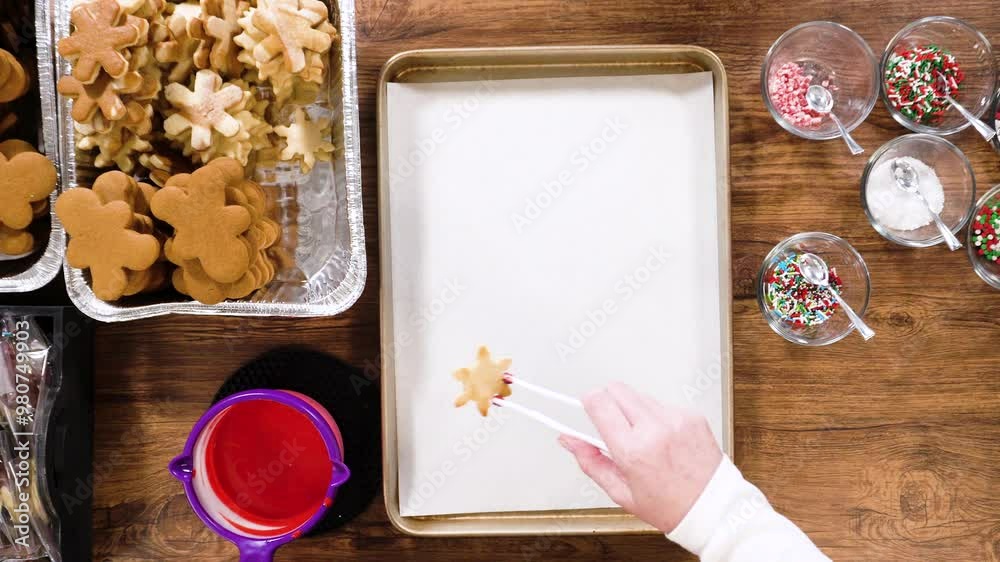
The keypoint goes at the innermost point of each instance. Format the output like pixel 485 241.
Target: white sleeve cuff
pixel 732 521
pixel 710 510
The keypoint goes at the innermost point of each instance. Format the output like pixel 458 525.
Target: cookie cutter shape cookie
pixel 204 109
pixel 205 227
pixel 88 98
pixel 291 29
pixel 306 139
pixel 101 35
pixel 15 242
pixel 14 81
pixel 102 240
pixel 178 50
pixel 483 381
pixel 216 29
pixel 26 178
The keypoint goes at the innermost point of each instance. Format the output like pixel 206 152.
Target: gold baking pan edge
pixel 448 65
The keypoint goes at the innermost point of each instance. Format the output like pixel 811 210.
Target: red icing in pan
pixel 268 463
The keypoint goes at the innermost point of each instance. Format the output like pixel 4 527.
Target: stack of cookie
pixel 115 77
pixel 220 73
pixel 285 41
pixel 215 119
pixel 111 235
pixel 170 86
pixel 254 138
pixel 206 232
pixel 175 52
pixel 117 186
pixel 27 178
pixel 221 232
pixel 14 83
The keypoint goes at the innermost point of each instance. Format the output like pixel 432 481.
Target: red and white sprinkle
pixel 787 88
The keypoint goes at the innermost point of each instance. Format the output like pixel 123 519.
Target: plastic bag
pixel 29 384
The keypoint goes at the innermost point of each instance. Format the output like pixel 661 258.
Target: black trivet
pixel 354 406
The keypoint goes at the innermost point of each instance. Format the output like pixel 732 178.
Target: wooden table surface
pixel 881 451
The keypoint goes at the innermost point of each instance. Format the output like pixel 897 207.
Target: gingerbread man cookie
pixel 205 227
pixel 482 381
pixel 13 147
pixel 15 242
pixel 103 241
pixel 26 178
pixel 14 81
pixel 192 280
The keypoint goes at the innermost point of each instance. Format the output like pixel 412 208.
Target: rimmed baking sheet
pixel 428 310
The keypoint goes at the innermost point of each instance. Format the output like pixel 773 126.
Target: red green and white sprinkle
pixel 912 86
pixel 796 300
pixel 985 229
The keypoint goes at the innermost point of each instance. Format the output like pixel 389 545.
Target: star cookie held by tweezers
pixel 483 381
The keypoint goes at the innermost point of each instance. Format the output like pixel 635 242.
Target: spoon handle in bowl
pixel 983 129
pixel 949 238
pixel 851 143
pixel 859 324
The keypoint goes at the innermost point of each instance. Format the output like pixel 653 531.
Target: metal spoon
pixel 984 129
pixel 820 100
pixel 815 271
pixel 906 179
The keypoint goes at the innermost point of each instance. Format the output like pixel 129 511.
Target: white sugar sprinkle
pixel 897 209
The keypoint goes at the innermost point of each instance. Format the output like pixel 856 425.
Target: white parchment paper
pixel 569 224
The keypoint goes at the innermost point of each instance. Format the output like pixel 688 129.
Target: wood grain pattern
pixel 880 451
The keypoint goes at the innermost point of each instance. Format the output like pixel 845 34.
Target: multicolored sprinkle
pixel 985 228
pixel 796 300
pixel 912 86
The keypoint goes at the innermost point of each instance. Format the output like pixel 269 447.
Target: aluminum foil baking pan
pixel 35 271
pixel 321 212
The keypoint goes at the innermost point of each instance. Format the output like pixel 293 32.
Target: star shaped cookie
pixel 307 140
pixel 482 381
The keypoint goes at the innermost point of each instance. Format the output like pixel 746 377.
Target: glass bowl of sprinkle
pixel 984 238
pixel 914 60
pixel 944 177
pixel 826 54
pixel 804 313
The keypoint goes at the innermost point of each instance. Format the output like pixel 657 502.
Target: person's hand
pixel 661 458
